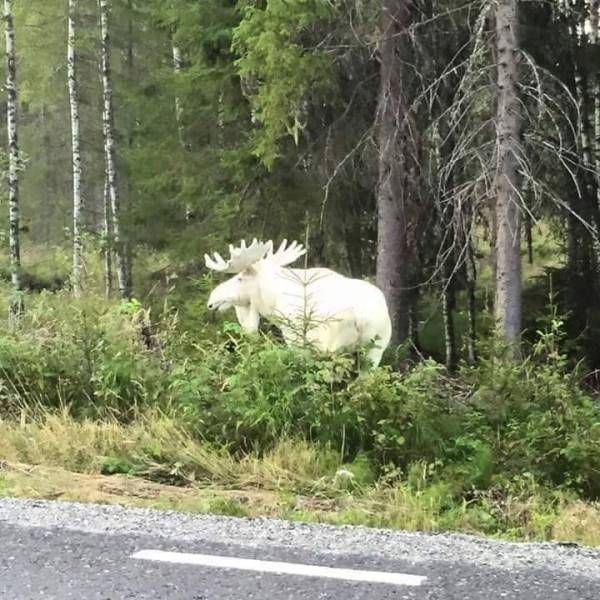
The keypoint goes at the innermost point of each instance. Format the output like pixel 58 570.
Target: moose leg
pixel 374 356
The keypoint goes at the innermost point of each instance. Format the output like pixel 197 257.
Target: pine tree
pixel 508 203
pixel 393 252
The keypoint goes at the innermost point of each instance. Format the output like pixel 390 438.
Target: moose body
pixel 328 310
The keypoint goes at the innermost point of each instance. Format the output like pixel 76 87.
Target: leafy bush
pixel 85 354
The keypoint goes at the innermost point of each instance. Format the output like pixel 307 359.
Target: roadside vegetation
pixel 168 407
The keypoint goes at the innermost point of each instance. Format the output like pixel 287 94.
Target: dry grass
pixel 578 522
pixel 53 456
pixel 153 445
pixel 54 483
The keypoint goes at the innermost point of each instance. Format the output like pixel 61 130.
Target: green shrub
pixel 85 354
pixel 481 430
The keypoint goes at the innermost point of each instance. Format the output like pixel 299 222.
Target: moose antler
pixel 286 255
pixel 239 258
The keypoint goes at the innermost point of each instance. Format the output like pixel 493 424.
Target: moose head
pixel 250 291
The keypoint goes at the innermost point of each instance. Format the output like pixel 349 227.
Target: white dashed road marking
pixel 281 568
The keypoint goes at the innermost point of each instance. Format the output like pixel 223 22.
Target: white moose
pixel 328 310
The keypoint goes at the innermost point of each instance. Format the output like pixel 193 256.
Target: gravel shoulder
pixel 415 548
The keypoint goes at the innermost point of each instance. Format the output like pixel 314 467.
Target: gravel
pixel 322 539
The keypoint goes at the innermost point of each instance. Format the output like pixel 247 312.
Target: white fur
pixel 330 311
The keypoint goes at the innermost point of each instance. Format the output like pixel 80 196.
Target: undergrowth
pixel 503 448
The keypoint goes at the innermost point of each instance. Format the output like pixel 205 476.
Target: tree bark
pixel 107 246
pixel 110 152
pixel 178 67
pixel 471 279
pixel 393 252
pixel 127 246
pixel 508 213
pixel 16 303
pixel 448 301
pixel 595 84
pixel 76 151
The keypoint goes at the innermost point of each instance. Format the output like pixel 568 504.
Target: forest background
pixel 448 151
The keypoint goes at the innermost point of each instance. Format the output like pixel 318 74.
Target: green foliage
pixel 83 354
pixel 487 428
pixel 279 68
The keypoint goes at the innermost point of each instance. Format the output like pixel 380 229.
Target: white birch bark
pixel 178 67
pixel 16 303
pixel 508 214
pixel 109 150
pixel 107 248
pixel 76 151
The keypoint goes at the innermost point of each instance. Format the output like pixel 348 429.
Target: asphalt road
pixel 61 551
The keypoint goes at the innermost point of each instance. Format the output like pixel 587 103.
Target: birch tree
pixel 507 202
pixel 110 151
pixel 392 245
pixel 76 150
pixel 178 67
pixel 16 303
pixel 106 235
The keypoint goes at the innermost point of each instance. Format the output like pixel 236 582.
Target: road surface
pixel 61 551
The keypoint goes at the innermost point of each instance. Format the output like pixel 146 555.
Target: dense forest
pixel 446 150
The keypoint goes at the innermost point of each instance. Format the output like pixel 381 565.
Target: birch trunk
pixel 16 303
pixel 508 214
pixel 110 153
pixel 178 67
pixel 448 301
pixel 76 151
pixel 107 250
pixel 392 248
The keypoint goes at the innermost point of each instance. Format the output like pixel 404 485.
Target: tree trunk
pixel 471 278
pixel 595 84
pixel 445 216
pixel 529 238
pixel 584 84
pixel 110 153
pixel 178 67
pixel 76 152
pixel 107 248
pixel 16 303
pixel 508 213
pixel 393 254
pixel 127 249
pixel 448 300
